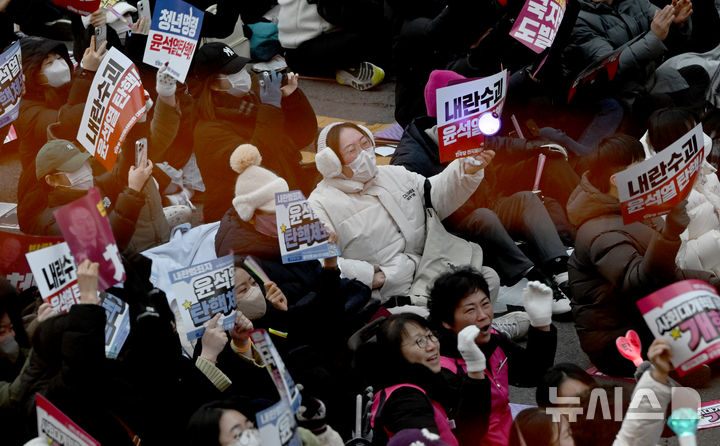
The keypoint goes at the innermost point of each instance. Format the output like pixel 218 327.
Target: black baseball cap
pixel 216 58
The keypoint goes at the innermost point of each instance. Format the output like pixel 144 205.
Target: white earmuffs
pixel 326 161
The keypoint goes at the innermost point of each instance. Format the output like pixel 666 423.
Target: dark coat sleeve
pixel 470 407
pixel 528 365
pixel 408 408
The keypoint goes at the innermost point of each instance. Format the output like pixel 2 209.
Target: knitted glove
pixel 471 353
pixel 676 221
pixel 165 84
pixel 537 299
pixel 270 92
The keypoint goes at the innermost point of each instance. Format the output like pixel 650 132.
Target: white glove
pixel 165 84
pixel 538 299
pixel 471 353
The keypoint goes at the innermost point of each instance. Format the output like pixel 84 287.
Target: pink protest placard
pixel 709 415
pixel 687 315
pixel 13 264
pixel 653 187
pixel 57 428
pixel 538 23
pixel 86 229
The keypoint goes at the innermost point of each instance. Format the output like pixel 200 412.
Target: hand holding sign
pixel 45 312
pixel 213 340
pixel 93 58
pixel 98 18
pixel 676 221
pixel 240 333
pixel 478 162
pixel 87 274
pixel 275 296
pixel 141 27
pixel 659 355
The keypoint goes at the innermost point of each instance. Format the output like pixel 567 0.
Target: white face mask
pixel 252 304
pixel 81 179
pixel 241 83
pixel 58 73
pixel 10 349
pixel 248 437
pixel 364 167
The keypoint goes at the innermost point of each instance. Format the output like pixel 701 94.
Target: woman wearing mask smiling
pixel 303 298
pixel 48 73
pixel 235 109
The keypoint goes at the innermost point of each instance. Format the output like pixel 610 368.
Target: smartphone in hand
pixel 143 7
pixel 140 152
pixel 100 36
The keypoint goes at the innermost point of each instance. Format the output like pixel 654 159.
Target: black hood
pixel 34 51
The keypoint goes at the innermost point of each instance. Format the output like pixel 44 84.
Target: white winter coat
pixel 381 224
pixel 641 430
pixel 298 22
pixel 700 248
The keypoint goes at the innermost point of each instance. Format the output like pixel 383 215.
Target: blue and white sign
pixel 174 35
pixel 277 425
pixel 203 290
pixel 11 84
pixel 301 233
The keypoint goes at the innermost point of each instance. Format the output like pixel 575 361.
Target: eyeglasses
pixel 350 149
pixel 422 341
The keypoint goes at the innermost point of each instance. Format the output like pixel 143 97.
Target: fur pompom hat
pixel 255 187
pixel 327 160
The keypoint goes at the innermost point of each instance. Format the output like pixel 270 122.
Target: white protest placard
pixel 115 103
pixel 203 290
pixel 117 327
pixel 56 276
pixel 281 377
pixel 173 38
pixel 11 84
pixel 687 315
pixel 277 425
pixel 459 108
pixel 538 23
pixel 57 428
pixel 301 234
pixel 653 187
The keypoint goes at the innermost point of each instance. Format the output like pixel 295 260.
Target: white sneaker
pixel 362 78
pixel 515 325
pixel 277 63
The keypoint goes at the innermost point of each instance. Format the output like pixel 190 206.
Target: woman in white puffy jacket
pixel 700 249
pixel 378 212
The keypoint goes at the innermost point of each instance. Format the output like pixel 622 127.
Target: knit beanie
pixel 438 79
pixel 327 160
pixel 255 187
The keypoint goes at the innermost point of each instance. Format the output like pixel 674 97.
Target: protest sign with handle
pixel 203 290
pixel 11 84
pixel 281 377
pixel 117 327
pixel 687 315
pixel 82 7
pixel 459 108
pixel 538 23
pixel 56 275
pixel 86 228
pixel 57 428
pixel 115 103
pixel 301 234
pixel 655 186
pixel 277 423
pixel 13 264
pixel 173 38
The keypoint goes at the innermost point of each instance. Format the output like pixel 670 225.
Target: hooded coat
pixel 40 104
pixel 612 267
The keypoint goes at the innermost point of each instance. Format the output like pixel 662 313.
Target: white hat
pixel 326 160
pixel 255 186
